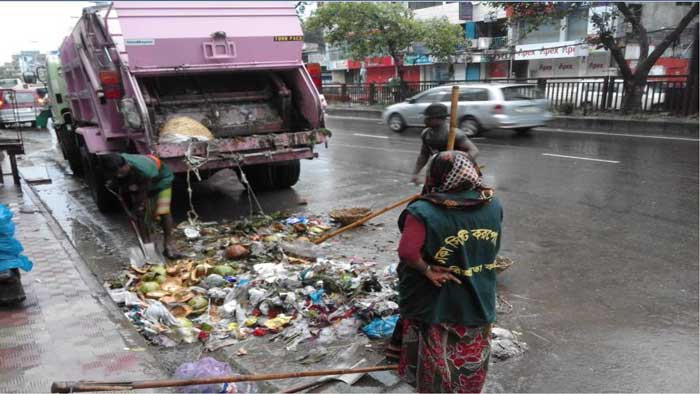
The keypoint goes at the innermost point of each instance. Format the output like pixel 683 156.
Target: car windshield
pixel 522 92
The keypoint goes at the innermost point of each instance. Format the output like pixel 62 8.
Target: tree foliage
pixel 370 29
pixel 443 39
pixel 367 28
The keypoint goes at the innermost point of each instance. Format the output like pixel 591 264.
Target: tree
pixel 607 36
pixel 368 28
pixel 443 40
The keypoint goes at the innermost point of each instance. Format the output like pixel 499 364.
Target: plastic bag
pixel 209 367
pixel 7 228
pixel 381 328
pixel 10 248
pixel 158 313
pixel 21 262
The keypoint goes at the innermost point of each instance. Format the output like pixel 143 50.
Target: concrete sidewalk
pixel 663 126
pixel 67 328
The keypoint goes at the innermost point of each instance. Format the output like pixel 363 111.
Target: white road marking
pixel 655 137
pixel 580 158
pixel 371 136
pixel 380 149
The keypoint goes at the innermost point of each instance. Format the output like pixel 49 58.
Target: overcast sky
pixel 40 25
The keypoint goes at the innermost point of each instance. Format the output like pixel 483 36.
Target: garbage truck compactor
pixel 201 85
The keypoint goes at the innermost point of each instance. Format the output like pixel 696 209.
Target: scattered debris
pixel 258 277
pixel 505 344
pixel 263 277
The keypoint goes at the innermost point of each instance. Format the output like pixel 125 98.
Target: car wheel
pixel 396 123
pixel 470 127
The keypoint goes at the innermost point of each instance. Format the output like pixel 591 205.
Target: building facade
pixel 496 50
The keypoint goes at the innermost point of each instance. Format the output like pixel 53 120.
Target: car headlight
pixel 130 113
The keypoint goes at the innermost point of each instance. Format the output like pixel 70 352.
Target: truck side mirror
pixel 40 74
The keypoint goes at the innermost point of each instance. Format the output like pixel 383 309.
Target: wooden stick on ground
pixel 453 118
pixel 77 387
pixel 366 218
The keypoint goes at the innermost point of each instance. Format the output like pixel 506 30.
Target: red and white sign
pixel 551 50
pixel 549 68
pixel 384 61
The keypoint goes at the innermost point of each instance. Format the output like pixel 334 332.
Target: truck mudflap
pixel 248 150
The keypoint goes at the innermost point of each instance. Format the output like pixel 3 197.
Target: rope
pixel 193 164
pixel 251 193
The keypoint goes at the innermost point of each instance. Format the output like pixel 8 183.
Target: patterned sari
pixel 445 358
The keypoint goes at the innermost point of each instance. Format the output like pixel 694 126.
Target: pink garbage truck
pixel 234 67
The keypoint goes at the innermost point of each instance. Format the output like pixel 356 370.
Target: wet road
pixel 603 229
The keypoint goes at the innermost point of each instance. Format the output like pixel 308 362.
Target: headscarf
pixel 450 173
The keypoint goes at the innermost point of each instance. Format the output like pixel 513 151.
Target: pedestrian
pixel 148 182
pixel 447 278
pixel 434 137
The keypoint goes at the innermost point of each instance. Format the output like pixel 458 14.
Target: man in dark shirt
pixel 434 137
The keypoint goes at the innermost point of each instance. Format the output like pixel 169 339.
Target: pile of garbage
pixel 257 277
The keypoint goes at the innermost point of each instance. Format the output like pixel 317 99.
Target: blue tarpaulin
pixel 10 249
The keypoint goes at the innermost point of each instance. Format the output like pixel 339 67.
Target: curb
pixel 686 129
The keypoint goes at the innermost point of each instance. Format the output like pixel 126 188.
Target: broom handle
pixel 453 119
pixel 76 387
pixel 366 218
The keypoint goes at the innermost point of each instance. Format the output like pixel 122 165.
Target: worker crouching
pixel 148 183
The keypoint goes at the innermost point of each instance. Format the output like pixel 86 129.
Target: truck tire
pixel 268 177
pixel 105 201
pixel 287 174
pixel 260 176
pixel 71 151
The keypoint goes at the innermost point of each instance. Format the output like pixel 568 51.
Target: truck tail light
pixel 497 109
pixel 111 84
pixel 2 103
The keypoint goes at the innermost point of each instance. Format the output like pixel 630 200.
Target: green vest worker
pixel 148 181
pixel 447 279
pixel 434 137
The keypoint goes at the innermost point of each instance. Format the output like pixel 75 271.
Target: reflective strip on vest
pixel 155 159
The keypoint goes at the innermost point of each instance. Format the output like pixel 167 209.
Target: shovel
pixel 146 253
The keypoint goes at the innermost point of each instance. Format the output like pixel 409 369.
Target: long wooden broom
pixel 86 386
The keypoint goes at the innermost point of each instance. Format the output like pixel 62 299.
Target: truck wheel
pixel 104 200
pixel 260 176
pixel 71 152
pixel 287 174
